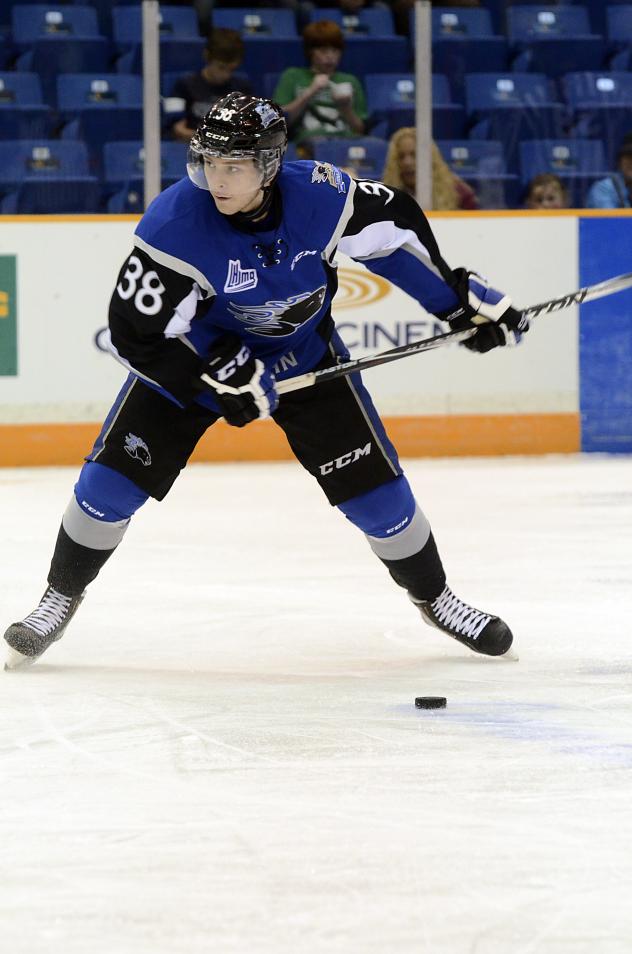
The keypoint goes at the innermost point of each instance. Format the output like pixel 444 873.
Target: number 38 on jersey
pixel 144 287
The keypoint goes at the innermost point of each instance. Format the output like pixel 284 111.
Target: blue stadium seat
pixel 365 156
pixel 6 50
pixel 49 57
pixel 373 21
pixel 463 42
pixel 482 164
pixel 388 54
pixel 123 172
pixel 175 22
pixel 124 163
pixel 181 46
pixel 58 39
pixel 553 39
pixel 270 36
pixel 601 107
pixel 99 107
pixel 619 33
pixel 597 10
pixel 391 103
pixel 45 176
pixel 31 22
pixel 257 23
pixel 577 162
pixel 180 55
pixel 23 114
pixel 510 107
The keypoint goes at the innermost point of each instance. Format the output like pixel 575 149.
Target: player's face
pixel 235 184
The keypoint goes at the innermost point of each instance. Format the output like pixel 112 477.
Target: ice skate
pixel 480 632
pixel 31 637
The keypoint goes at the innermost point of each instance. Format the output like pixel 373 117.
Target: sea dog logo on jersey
pixel 136 447
pixel 278 318
pixel 239 279
pixel 345 459
pixel 325 172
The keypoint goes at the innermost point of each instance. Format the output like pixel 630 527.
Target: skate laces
pixel 50 613
pixel 458 616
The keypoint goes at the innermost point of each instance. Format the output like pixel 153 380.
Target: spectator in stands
pixel 318 100
pixel 546 191
pixel 223 55
pixel 615 191
pixel 400 171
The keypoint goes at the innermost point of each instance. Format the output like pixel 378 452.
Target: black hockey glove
pixel 243 386
pixel 499 323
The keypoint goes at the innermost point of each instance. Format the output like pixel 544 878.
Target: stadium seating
pixel 463 42
pixel 577 162
pixel 482 164
pixel 23 114
pixel 175 22
pixel 181 46
pixel 391 102
pixel 99 107
pixel 364 156
pixel 372 21
pixel 553 39
pixel 42 176
pixel 510 107
pixel 619 33
pixel 601 107
pixel 123 168
pixel 58 39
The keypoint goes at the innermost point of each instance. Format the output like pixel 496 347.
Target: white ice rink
pixel 223 753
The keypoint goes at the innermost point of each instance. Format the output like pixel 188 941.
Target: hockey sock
pixel 93 525
pixel 399 534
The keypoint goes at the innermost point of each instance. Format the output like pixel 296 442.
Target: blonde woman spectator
pixel 400 171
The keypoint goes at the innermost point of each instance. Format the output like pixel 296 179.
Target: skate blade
pixel 511 655
pixel 15 660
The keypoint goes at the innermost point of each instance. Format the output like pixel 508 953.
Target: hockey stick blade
pixel 589 293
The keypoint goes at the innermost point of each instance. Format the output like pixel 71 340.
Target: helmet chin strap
pixel 262 209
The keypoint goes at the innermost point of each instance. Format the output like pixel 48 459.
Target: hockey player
pixel 228 288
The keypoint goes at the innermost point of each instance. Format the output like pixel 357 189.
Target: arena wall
pixel 568 387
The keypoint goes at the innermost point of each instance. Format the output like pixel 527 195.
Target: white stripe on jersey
pixel 380 239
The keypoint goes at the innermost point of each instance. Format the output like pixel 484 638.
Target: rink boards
pixel 568 387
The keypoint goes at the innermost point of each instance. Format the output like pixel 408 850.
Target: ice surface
pixel 223 752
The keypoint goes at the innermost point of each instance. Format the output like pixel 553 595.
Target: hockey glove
pixel 241 383
pixel 499 324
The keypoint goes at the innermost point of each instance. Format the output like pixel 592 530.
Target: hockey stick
pixel 589 293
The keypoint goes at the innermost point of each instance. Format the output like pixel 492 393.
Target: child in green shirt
pixel 319 100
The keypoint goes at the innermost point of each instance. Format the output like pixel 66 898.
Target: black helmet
pixel 244 127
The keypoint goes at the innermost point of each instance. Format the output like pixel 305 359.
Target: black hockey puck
pixel 431 702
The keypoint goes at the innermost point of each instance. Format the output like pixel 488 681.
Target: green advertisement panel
pixel 8 316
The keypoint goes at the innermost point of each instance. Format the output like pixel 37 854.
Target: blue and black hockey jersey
pixel 195 274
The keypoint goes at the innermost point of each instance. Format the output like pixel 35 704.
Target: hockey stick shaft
pixel 589 293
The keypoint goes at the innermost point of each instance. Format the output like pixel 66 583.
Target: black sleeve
pixel 151 308
pixel 389 233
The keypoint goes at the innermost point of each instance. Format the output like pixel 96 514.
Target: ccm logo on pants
pixel 345 459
